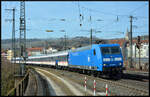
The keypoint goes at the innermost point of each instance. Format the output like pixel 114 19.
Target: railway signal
pixel 138 45
pixel 139 39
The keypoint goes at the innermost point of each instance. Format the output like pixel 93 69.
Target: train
pixel 95 59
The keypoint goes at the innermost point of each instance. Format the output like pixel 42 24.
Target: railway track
pixel 124 84
pixel 58 83
pixel 37 85
pixel 121 85
pixel 142 84
pixel 32 87
pixel 36 89
pixel 133 91
pixel 136 75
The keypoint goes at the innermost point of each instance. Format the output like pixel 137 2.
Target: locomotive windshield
pixel 110 50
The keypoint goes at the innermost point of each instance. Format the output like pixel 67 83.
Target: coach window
pixel 94 52
pixel 61 58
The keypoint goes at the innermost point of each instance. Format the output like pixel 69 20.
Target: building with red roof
pixel 35 51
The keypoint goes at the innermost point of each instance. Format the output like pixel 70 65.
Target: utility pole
pixel 22 39
pixel 46 46
pixel 91 31
pixel 65 41
pixel 13 31
pixel 130 61
pixel 13 37
pixel 91 38
pixel 65 36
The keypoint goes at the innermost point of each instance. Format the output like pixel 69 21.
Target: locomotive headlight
pixel 118 59
pixel 106 59
pixel 119 63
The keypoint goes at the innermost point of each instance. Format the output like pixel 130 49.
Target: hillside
pixel 58 43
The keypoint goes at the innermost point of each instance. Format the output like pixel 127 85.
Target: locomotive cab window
pixel 110 50
pixel 105 50
pixel 115 50
pixel 94 52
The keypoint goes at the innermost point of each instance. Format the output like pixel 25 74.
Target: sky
pixel 108 19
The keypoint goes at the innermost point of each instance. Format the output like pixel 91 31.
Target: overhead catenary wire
pixel 82 10
pixel 90 17
pixel 10 5
pixel 79 7
pixel 101 12
pixel 134 10
pixel 109 13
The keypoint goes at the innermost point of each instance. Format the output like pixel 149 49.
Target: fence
pixel 20 87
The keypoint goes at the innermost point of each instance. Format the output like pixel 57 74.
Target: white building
pixel 51 50
pixel 144 51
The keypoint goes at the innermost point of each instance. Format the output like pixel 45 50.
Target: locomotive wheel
pixel 94 73
pixel 89 72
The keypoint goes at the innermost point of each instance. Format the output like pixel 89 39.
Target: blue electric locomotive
pixel 97 58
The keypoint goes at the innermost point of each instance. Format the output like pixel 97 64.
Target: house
pixel 3 53
pixel 124 44
pixel 50 50
pixel 118 41
pixel 35 51
pixel 144 51
pixel 9 54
